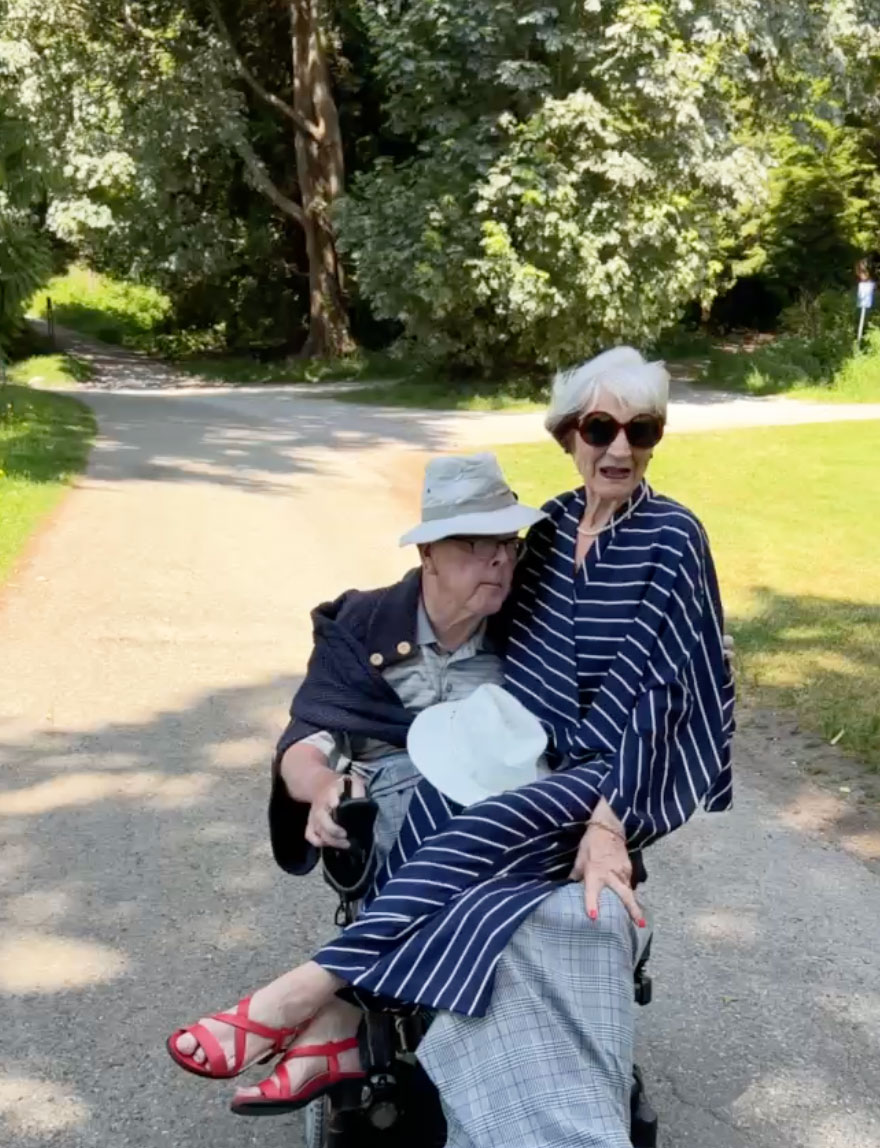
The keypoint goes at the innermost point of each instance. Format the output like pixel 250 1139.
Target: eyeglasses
pixel 487 549
pixel 597 428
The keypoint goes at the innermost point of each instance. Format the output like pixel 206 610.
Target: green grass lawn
pixel 50 371
pixel 794 518
pixel 44 441
pixel 857 381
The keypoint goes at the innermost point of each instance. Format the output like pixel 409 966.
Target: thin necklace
pixel 593 533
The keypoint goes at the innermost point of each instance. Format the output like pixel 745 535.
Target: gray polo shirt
pixel 430 675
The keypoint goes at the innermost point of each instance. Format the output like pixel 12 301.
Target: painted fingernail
pixel 593 914
pixel 643 924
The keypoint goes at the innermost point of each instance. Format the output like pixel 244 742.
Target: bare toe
pixel 187 1044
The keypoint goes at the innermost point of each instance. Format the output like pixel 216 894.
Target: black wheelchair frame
pixel 396 1105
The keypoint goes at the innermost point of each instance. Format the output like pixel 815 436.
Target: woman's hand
pixel 321 829
pixel 603 862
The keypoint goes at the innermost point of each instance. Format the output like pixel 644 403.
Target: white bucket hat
pixel 468 494
pixel 478 747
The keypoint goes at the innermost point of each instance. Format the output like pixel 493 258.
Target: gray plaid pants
pixel 550 1064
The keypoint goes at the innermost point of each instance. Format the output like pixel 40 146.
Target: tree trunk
pixel 321 175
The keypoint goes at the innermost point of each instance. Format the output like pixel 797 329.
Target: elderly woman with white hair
pixel 616 647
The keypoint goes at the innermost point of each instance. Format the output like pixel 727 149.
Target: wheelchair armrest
pixel 639 872
pixel 642 981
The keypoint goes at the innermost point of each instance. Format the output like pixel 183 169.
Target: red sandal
pixel 216 1064
pixel 277 1097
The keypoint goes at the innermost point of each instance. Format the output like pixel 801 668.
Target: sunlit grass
pixel 109 309
pixel 50 371
pixel 44 441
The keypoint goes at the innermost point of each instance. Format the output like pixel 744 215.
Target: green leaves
pixel 24 249
pixel 133 115
pixel 590 153
pixel 543 178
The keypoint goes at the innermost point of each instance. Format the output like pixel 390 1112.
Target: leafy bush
pixel 142 317
pixel 830 313
pixel 129 314
pixel 575 167
pixel 680 343
pixel 24 264
pixel 248 370
pixel 782 365
pixel 815 355
pixel 180 344
pixel 25 257
pixel 858 378
pixel 798 367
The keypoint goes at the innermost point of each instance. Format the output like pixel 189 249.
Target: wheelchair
pixel 396 1105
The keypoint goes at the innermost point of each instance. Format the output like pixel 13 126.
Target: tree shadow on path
pixel 138 891
pixel 261 443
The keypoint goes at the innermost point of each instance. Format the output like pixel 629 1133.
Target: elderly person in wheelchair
pixel 613 641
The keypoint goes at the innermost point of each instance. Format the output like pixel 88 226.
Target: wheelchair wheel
pixel 418 1120
pixel 316 1123
pixel 327 1128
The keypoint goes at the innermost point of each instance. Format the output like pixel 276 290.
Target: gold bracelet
pixel 608 829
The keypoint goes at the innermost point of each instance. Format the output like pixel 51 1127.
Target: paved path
pixel 691 409
pixel 150 645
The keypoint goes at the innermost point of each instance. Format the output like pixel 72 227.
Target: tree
pixel 25 257
pixel 575 166
pixel 822 209
pixel 543 177
pixel 823 212
pixel 151 110
pixel 319 162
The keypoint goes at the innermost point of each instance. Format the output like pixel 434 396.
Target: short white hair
pixel 622 373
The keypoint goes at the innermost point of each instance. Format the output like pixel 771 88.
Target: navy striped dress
pixel 623 663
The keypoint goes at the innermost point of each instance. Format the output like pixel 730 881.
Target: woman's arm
pixel 603 861
pixel 674 741
pixel 674 749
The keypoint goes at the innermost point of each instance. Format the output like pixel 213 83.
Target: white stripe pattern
pixel 656 660
pixel 646 725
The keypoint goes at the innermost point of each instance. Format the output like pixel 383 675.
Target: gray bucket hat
pixel 468 494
